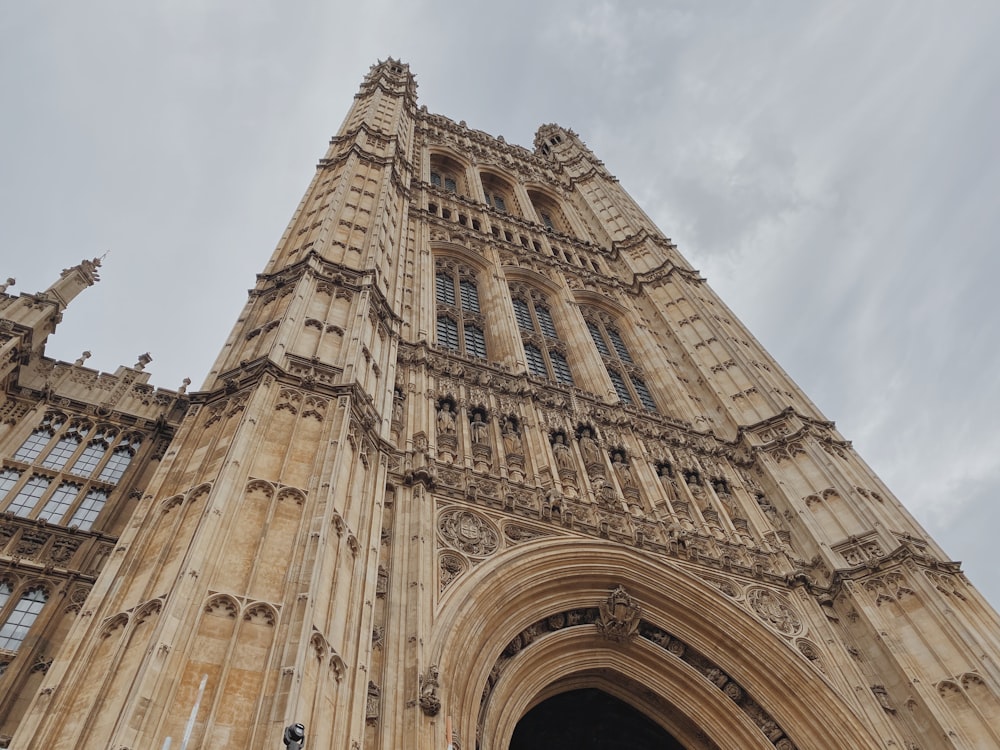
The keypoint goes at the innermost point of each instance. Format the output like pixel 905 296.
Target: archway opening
pixel 589 719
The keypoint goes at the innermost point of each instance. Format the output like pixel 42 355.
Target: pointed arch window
pixel 74 477
pixel 544 352
pixel 5 591
pixel 447 174
pixel 19 621
pixel 460 322
pixel 497 193
pixel 626 376
pixel 61 452
pixel 92 454
pixel 119 460
pixel 37 440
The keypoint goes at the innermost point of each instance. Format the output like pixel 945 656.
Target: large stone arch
pixel 485 609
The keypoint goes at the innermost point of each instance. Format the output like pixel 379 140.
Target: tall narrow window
pixel 92 454
pixel 497 193
pixel 119 461
pixel 62 451
pixel 25 500
pixel 15 628
pixel 8 478
pixel 5 591
pixel 37 440
pixel 460 323
pixel 447 173
pixel 625 374
pixel 59 503
pixel 544 352
pixel 89 509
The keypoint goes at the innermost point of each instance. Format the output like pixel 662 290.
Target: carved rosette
pixel 469 532
pixel 775 610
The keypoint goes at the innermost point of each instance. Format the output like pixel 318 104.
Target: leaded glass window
pixel 536 363
pixel 620 388
pixel 59 502
pixel 545 321
pixel 8 478
pixel 36 441
pixel 561 368
pixel 470 296
pixel 445 287
pixel 61 452
pixel 17 624
pixel 89 509
pixel 26 499
pixel 523 315
pixel 117 463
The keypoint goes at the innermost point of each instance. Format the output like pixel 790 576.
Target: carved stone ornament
pixel 430 701
pixel 469 532
pixel 619 616
pixel 774 611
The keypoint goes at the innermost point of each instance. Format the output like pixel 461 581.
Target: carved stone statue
pixel 479 430
pixel 511 439
pixel 563 458
pixel 588 448
pixel 445 420
pixel 430 700
pixel 623 471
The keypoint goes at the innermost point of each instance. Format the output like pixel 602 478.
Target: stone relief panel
pixel 774 610
pixel 469 532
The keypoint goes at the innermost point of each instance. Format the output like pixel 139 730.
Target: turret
pixel 27 321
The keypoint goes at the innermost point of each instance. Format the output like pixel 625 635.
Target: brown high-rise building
pixel 482 453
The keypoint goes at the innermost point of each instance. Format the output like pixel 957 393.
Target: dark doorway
pixel 588 719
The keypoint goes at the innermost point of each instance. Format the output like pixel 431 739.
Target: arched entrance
pixel 589 719
pixel 539 620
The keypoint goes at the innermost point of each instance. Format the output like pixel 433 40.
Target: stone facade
pixel 479 437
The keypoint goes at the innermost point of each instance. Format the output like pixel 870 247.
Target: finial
pixel 184 386
pixel 83 358
pixel 144 359
pixel 6 285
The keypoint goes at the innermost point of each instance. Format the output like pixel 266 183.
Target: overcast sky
pixel 831 168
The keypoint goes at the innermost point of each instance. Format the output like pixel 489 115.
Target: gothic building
pixel 483 462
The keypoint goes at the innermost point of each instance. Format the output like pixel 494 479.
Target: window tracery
pixel 73 466
pixel 460 322
pixel 549 212
pixel 544 352
pixel 18 621
pixel 626 376
pixel 498 193
pixel 447 174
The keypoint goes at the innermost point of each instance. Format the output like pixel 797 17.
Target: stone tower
pixel 483 455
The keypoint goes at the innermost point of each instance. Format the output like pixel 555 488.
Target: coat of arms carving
pixel 619 619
